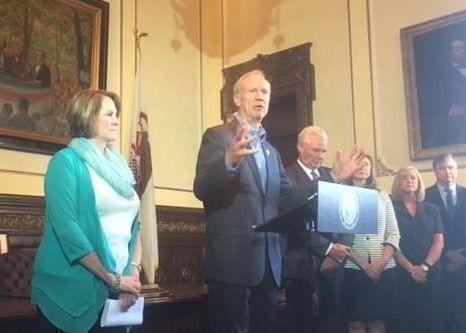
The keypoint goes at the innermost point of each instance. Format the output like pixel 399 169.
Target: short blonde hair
pixel 396 186
pixel 237 87
pixel 83 108
pixel 311 130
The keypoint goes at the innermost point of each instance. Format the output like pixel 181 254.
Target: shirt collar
pixel 260 132
pixel 308 170
pixel 442 188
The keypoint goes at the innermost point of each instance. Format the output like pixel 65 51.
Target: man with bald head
pixel 240 179
pixel 309 252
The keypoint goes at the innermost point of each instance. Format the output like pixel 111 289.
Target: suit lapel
pixel 438 198
pixel 269 162
pixel 460 196
pixel 304 179
pixel 325 175
pixel 448 213
pixel 455 214
pixel 255 171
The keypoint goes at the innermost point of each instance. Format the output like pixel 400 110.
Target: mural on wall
pixel 434 59
pixel 49 49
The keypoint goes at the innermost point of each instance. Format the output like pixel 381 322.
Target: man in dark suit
pixel 240 179
pixel 456 78
pixel 309 252
pixel 451 199
pixel 450 106
pixel 40 72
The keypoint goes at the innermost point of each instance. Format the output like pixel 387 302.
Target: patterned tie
pixel 259 156
pixel 449 197
pixel 314 174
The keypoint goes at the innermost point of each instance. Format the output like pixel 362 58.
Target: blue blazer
pixel 234 201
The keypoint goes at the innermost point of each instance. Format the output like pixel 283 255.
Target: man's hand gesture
pixel 240 147
pixel 346 163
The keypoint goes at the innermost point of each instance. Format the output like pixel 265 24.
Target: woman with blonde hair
pixel 421 246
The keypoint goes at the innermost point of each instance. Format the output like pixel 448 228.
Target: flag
pixel 140 162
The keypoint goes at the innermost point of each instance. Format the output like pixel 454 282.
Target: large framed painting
pixel 49 49
pixel 434 66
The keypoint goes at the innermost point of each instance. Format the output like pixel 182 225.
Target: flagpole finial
pixel 138 37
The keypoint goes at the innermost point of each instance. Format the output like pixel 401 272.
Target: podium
pixel 301 205
pixel 333 208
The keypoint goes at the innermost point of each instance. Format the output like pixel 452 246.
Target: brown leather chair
pixel 16 272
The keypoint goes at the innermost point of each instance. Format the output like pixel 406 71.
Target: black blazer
pixel 234 201
pixel 303 247
pixel 454 221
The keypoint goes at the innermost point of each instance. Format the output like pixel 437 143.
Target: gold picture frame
pixel 435 86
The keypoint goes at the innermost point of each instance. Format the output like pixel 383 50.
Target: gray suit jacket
pixel 234 201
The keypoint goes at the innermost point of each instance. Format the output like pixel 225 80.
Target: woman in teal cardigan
pixel 90 249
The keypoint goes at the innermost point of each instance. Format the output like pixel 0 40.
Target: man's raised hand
pixel 346 163
pixel 241 145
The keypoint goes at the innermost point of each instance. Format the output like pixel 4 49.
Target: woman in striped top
pixel 369 283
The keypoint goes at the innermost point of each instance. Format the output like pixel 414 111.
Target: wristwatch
pixel 425 267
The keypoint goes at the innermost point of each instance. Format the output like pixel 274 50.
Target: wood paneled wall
pixel 181 234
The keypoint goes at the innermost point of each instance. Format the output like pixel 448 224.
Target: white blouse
pixel 116 215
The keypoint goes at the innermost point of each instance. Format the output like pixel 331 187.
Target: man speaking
pixel 240 179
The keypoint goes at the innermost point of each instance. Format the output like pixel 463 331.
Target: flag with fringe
pixel 140 162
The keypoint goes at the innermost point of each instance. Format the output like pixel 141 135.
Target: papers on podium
pixel 112 315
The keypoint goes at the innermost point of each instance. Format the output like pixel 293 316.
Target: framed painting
pixel 434 68
pixel 49 50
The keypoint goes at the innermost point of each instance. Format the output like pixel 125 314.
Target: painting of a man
pixel 449 97
pixel 40 72
pixel 455 78
pixel 435 56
